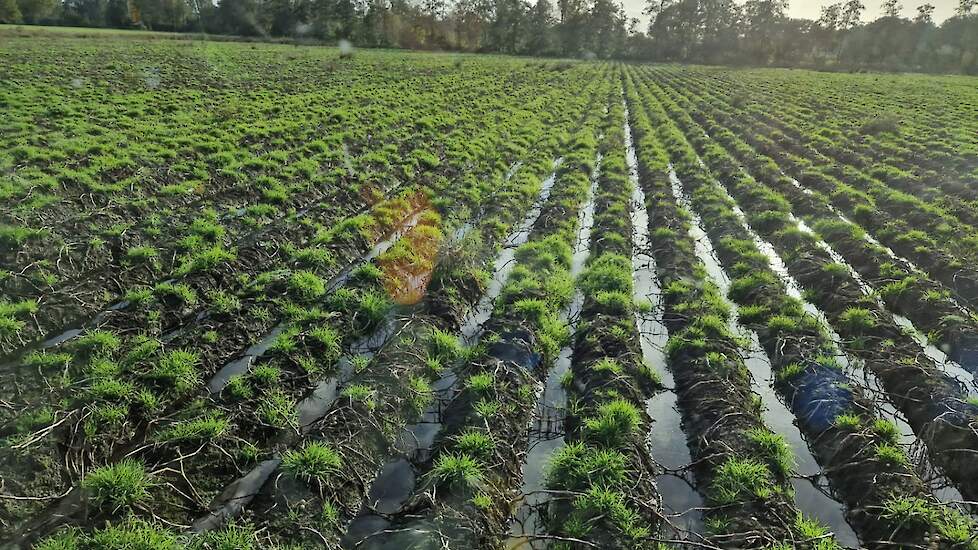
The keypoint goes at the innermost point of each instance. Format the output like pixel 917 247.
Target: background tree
pixel 572 14
pixel 34 11
pixel 925 14
pixel 763 21
pixel 892 8
pixel 694 31
pixel 720 30
pixel 10 12
pixel 677 29
pixel 852 14
pixel 539 40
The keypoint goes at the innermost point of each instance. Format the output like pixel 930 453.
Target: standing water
pixel 810 493
pixel 666 441
pixel 546 435
pixel 396 481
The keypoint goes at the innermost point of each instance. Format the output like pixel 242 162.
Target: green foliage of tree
pixel 755 32
pixel 10 12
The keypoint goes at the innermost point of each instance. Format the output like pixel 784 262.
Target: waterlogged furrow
pixel 681 504
pixel 809 495
pixel 75 284
pixel 403 378
pixel 933 402
pixel 179 312
pixel 739 464
pixel 915 154
pixel 899 230
pixel 475 466
pixel 858 451
pixel 139 395
pixel 265 401
pixel 194 442
pixel 877 145
pixel 604 477
pixel 397 379
pixel 397 479
pixel 546 432
pixel 904 288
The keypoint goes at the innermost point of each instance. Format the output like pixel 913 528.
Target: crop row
pixel 601 481
pixel 359 397
pixel 934 403
pixel 409 132
pixel 741 467
pixel 214 328
pixel 474 468
pixel 858 451
pixel 129 386
pixel 896 219
pixel 925 152
pixel 904 288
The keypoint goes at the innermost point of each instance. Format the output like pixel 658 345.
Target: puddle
pixel 235 497
pixel 242 364
pixel 314 406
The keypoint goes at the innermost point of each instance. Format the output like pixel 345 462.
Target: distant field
pixel 81 31
pixel 272 296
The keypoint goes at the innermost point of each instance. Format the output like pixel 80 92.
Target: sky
pixel 811 10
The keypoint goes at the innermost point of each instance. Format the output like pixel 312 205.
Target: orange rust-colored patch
pixel 371 194
pixel 409 264
pixel 390 215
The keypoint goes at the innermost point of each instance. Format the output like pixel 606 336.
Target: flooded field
pixel 288 298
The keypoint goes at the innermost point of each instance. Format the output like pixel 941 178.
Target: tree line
pixel 756 32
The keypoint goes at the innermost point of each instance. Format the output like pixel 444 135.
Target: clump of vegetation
pixel 306 285
pixel 177 369
pixel 742 479
pixel 458 470
pixel 314 461
pixel 119 485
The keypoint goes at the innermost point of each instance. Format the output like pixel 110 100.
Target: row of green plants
pixel 858 450
pixel 905 290
pixel 234 320
pixel 421 127
pixel 378 397
pixel 129 396
pixel 919 232
pixel 890 129
pixel 602 480
pixel 813 132
pixel 474 470
pixel 165 310
pixel 934 404
pixel 395 388
pixel 741 467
